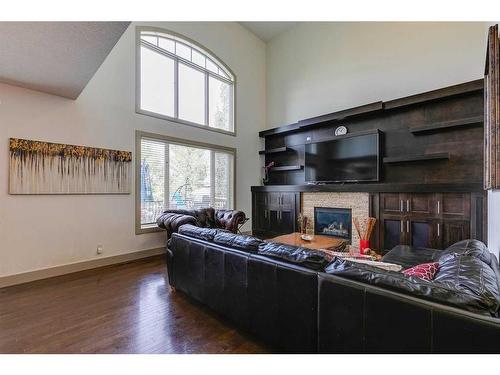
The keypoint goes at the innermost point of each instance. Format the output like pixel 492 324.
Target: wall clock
pixel 341 130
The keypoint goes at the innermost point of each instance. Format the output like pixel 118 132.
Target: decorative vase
pixel 363 244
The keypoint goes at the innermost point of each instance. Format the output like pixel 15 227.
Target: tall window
pixel 181 81
pixel 181 175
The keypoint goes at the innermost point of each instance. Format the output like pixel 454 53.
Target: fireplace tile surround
pixel 357 202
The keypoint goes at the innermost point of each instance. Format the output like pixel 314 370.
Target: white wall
pixel 318 68
pixel 494 222
pixel 44 231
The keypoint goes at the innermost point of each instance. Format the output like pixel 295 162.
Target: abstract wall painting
pixel 53 168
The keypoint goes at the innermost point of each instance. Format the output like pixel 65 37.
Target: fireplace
pixel 336 222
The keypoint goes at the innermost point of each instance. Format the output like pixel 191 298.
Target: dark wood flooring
pixel 126 308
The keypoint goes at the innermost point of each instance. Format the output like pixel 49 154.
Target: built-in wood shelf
pixel 414 158
pixel 445 125
pixel 274 150
pixel 287 168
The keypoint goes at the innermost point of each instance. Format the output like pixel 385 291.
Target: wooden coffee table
pixel 318 241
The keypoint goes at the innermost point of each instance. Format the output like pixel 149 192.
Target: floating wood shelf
pixel 445 125
pixel 274 150
pixel 413 158
pixel 287 168
pixel 341 115
pixel 377 108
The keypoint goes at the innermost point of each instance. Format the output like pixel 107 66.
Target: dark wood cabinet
pixel 274 213
pixel 391 231
pixel 452 231
pixel 422 232
pixel 434 220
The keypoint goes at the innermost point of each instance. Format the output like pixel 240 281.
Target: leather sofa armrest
pixel 172 221
pixel 230 219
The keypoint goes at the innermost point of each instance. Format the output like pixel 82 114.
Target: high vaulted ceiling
pixel 58 58
pixel 268 30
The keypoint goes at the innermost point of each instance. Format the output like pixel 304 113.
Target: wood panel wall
pixel 431 138
pixel 492 111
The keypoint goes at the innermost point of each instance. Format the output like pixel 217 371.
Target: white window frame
pixel 178 59
pixel 139 135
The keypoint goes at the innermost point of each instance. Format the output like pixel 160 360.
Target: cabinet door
pixel 260 198
pixel 422 232
pixel 391 232
pixel 420 205
pixel 262 219
pixel 391 203
pixel 286 221
pixel 261 215
pixel 454 205
pixel 452 231
pixel 287 201
pixel 274 200
pixel 274 223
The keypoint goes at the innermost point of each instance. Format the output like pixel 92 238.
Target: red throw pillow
pixel 425 271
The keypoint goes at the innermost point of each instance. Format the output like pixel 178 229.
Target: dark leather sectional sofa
pixel 282 295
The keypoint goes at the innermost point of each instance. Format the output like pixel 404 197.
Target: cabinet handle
pixel 408 205
pixel 401 205
pixel 408 226
pixel 438 206
pixel 402 229
pixel 438 231
pixel 265 214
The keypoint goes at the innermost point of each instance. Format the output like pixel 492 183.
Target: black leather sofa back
pixel 300 310
pixel 274 300
pixel 359 318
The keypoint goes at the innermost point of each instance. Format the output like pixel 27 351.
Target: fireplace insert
pixel 336 222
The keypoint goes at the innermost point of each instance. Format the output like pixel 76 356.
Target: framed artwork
pixel 52 168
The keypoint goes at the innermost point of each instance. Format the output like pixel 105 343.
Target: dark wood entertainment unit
pixel 430 191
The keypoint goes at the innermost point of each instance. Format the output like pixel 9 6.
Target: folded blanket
pixel 383 265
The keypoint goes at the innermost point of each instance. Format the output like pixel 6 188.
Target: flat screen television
pixel 353 158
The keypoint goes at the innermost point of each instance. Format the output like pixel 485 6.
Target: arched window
pixel 181 81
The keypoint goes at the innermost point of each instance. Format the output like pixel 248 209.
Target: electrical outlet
pixel 100 249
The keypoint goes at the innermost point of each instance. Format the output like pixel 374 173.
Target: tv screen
pixel 353 158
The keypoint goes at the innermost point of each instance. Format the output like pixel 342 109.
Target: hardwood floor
pixel 125 308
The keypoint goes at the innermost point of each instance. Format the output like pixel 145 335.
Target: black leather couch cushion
pixel 473 248
pixel 207 234
pixel 472 277
pixel 481 300
pixel 312 259
pixel 409 256
pixel 237 241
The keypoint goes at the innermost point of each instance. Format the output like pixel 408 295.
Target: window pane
pixel 150 39
pixel 183 51
pixel 167 44
pixel 191 94
pixel 189 177
pixel 198 59
pixel 219 104
pixel 223 180
pixel 223 73
pixel 157 82
pixel 212 67
pixel 152 180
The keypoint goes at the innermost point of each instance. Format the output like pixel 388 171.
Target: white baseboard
pixel 26 277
